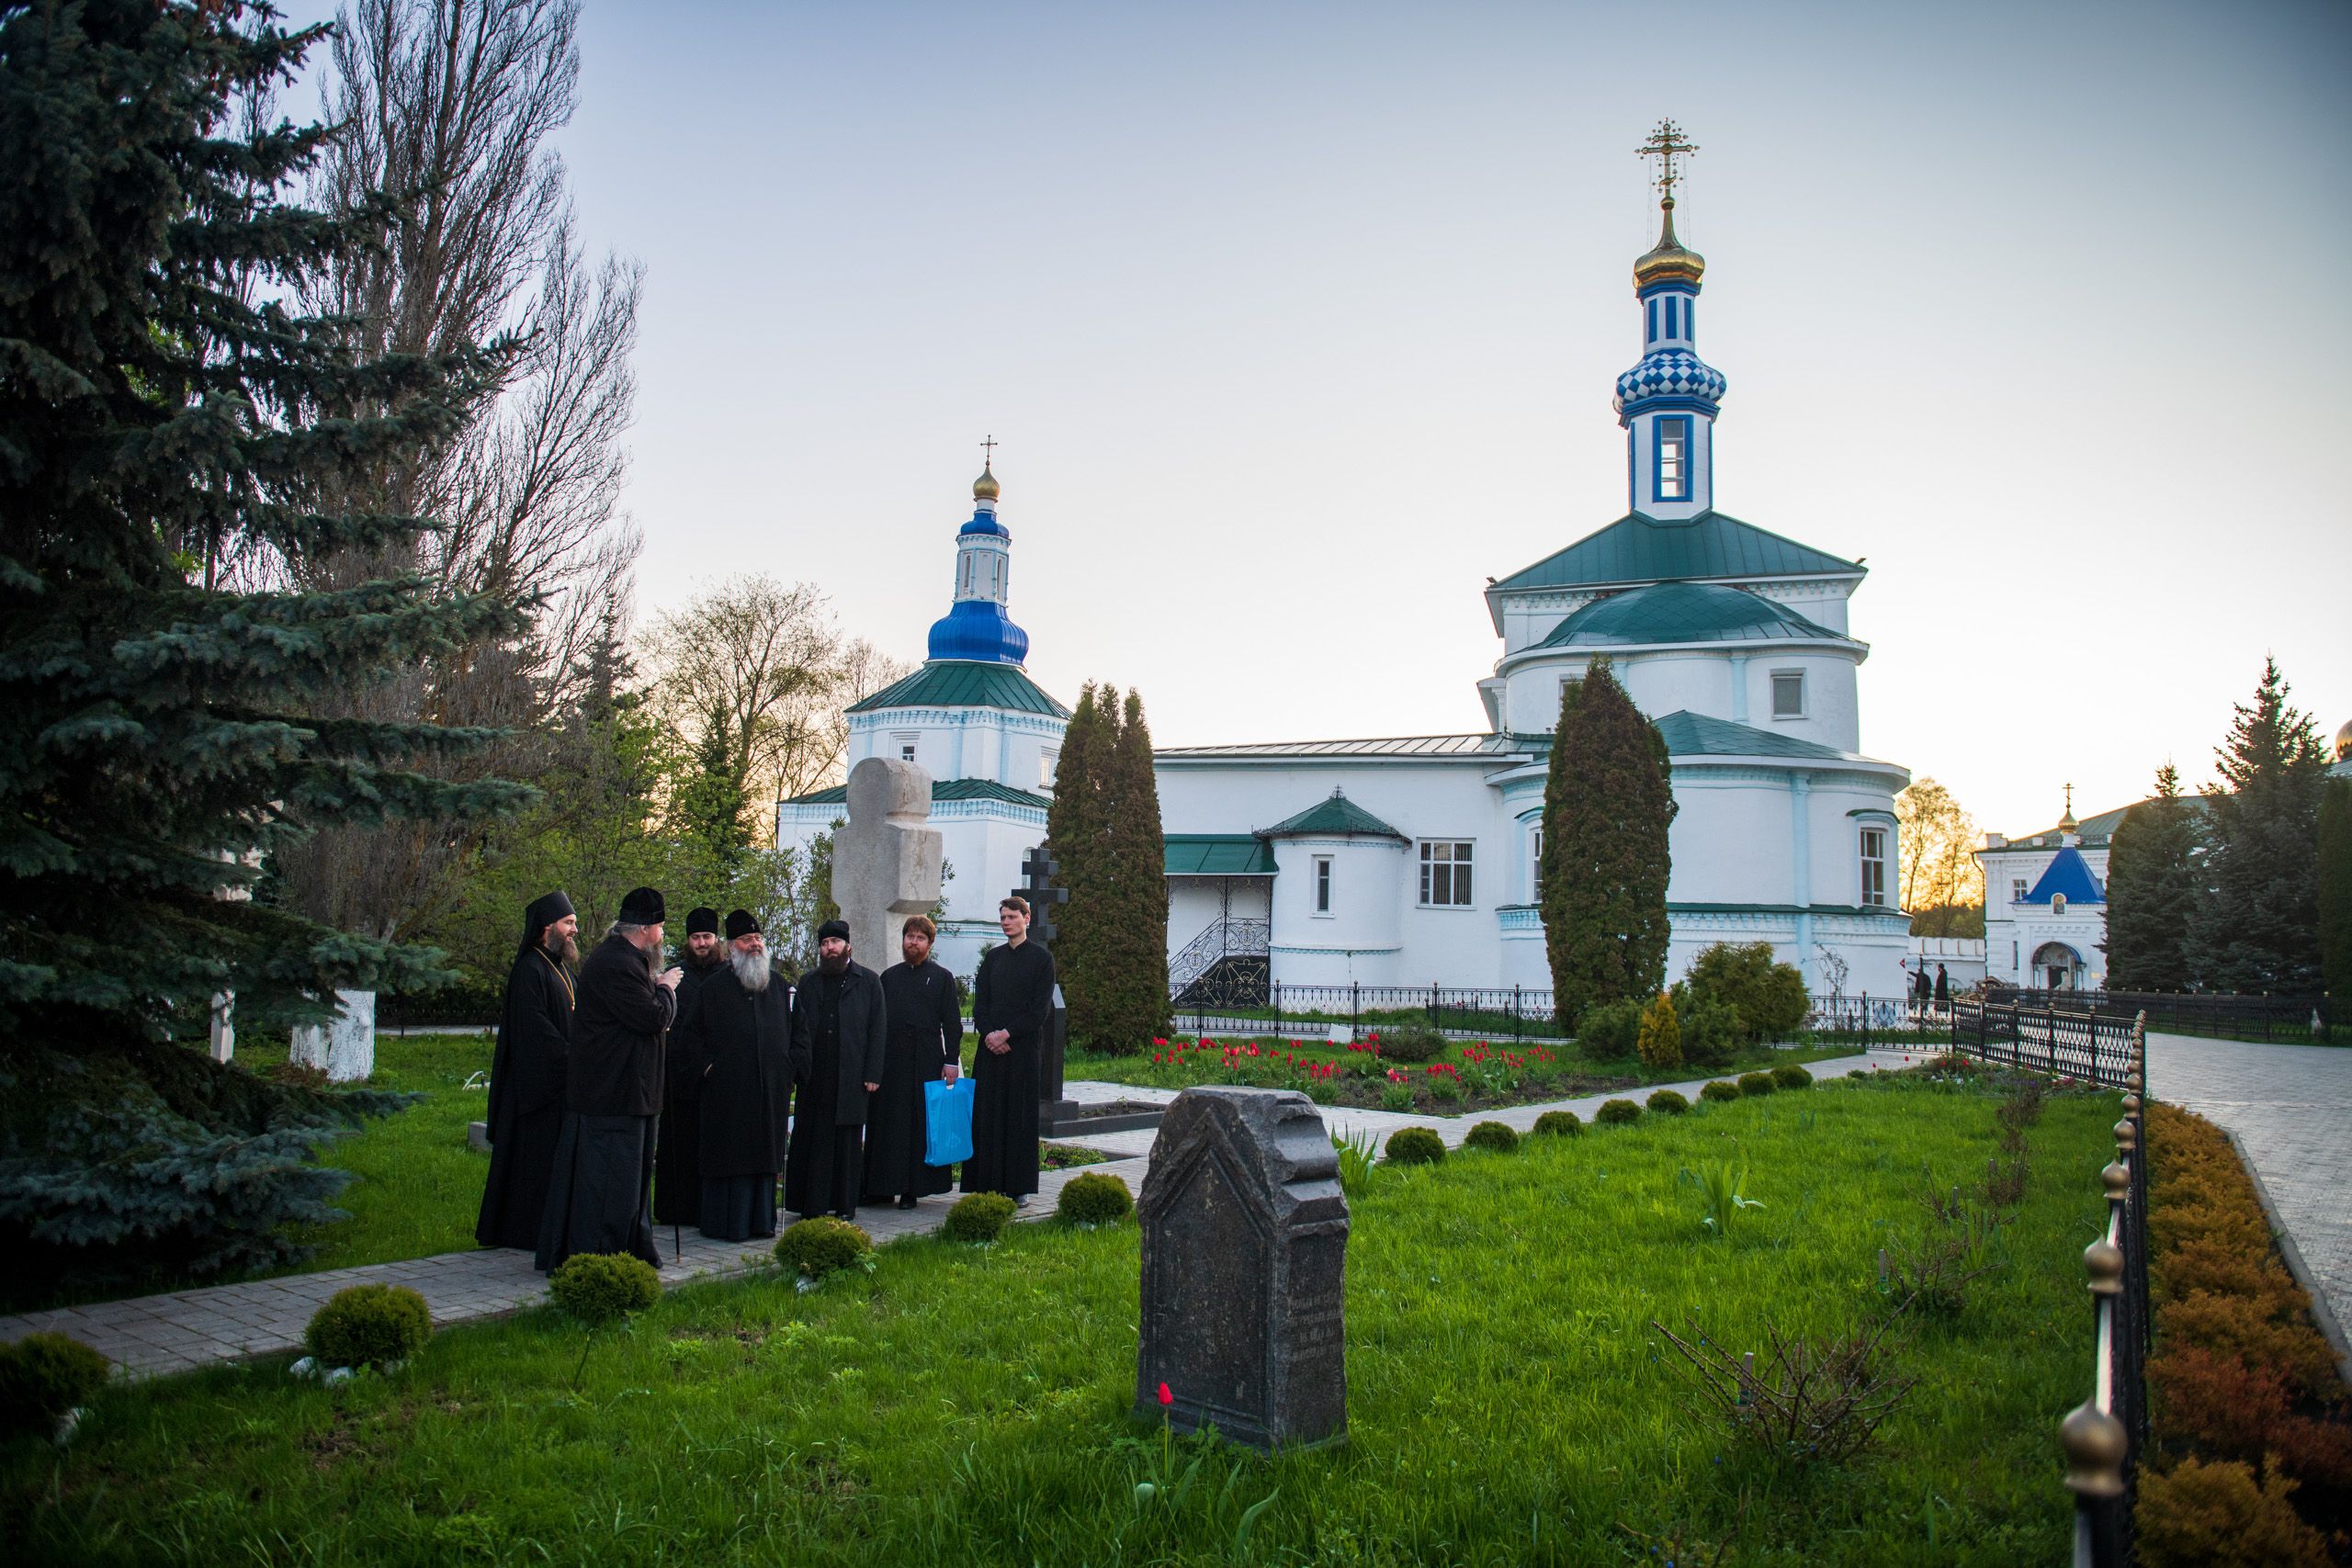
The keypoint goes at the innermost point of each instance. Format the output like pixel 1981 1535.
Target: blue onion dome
pixel 1669 261
pixel 978 631
pixel 1670 373
pixel 1666 612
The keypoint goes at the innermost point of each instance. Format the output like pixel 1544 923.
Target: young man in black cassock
pixel 734 1040
pixel 839 1032
pixel 926 1045
pixel 598 1201
pixel 526 1076
pixel 677 1153
pixel 1013 1006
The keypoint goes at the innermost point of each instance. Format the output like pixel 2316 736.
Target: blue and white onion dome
pixel 1670 373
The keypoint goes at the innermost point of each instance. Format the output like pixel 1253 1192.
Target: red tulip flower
pixel 1166 1398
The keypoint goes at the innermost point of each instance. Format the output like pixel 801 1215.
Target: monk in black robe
pixel 736 1039
pixel 677 1153
pixel 526 1076
pixel 926 1045
pixel 1013 1006
pixel 839 1042
pixel 600 1197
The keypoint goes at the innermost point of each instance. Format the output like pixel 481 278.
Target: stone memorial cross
pixel 1245 1238
pixel 886 862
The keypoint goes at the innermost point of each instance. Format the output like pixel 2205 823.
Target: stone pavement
pixel 151 1336
pixel 2290 1108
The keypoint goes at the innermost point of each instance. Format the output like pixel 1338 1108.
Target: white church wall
pixel 1731 840
pixel 1359 939
pixel 1832 709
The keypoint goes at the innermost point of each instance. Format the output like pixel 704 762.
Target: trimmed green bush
pixel 598 1287
pixel 1415 1145
pixel 1558 1124
pixel 1096 1198
pixel 43 1376
pixel 1757 1083
pixel 1617 1111
pixel 978 1216
pixel 1668 1102
pixel 1711 1031
pixel 1412 1041
pixel 1610 1031
pixel 1661 1037
pixel 1719 1090
pixel 1767 995
pixel 1494 1135
pixel 821 1246
pixel 370 1325
pixel 1787 1075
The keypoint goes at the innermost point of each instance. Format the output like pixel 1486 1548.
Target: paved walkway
pixel 152 1336
pixel 2291 1107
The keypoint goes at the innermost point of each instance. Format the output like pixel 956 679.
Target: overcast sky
pixel 1296 322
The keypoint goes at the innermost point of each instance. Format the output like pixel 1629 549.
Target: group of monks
pixel 629 1091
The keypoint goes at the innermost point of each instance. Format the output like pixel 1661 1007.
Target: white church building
pixel 1411 861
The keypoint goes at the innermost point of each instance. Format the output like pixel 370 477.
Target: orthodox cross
pixel 1042 894
pixel 1665 144
pixel 988 451
pixel 2070 800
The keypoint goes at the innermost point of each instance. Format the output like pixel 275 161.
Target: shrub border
pixel 2322 1316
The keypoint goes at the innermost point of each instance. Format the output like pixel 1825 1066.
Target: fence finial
pixel 2103 1261
pixel 2095 1446
pixel 2127 1137
pixel 2118 1177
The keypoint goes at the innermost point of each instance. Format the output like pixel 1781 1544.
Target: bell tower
pixel 1667 401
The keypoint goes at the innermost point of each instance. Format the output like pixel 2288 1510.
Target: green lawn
pixel 1509 1402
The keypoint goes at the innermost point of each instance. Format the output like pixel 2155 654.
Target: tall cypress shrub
pixel 1135 1005
pixel 2151 875
pixel 2256 927
pixel 1076 836
pixel 166 414
pixel 2335 892
pixel 1607 806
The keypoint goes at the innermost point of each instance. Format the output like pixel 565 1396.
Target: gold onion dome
pixel 1669 261
pixel 984 488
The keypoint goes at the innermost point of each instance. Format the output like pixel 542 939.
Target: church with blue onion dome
pixel 1411 861
pixel 972 719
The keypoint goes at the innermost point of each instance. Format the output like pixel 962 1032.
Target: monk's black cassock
pixel 527 1078
pixel 839 1033
pixel 604 1165
pixel 1014 991
pixel 926 1034
pixel 738 1044
pixel 677 1158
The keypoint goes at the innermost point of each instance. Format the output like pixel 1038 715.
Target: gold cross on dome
pixel 1665 144
pixel 988 453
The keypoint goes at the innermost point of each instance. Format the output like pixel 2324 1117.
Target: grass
pixel 1508 1400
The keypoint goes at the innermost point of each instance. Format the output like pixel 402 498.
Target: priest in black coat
pixel 677 1154
pixel 735 1039
pixel 839 1042
pixel 925 1045
pixel 1013 1006
pixel 599 1201
pixel 526 1076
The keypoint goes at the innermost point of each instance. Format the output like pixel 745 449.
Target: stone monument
pixel 346 1048
pixel 886 862
pixel 1245 1239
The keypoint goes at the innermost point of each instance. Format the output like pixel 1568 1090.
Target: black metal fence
pixel 2214 1014
pixel 1502 1013
pixel 2099 1048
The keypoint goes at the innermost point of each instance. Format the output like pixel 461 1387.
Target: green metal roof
pixel 1684 612
pixel 941 789
pixel 1692 734
pixel 1218 854
pixel 965 683
pixel 1337 814
pixel 1636 548
pixel 2095 831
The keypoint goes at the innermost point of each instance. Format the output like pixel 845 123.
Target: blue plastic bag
pixel 948 1116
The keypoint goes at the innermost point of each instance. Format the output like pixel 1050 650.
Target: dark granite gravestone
pixel 1245 1239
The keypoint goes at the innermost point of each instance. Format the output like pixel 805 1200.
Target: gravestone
pixel 346 1048
pixel 1055 1113
pixel 1245 1238
pixel 886 861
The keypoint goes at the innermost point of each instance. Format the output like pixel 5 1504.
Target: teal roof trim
pixel 1218 854
pixel 1336 815
pixel 1636 548
pixel 965 683
pixel 1692 734
pixel 1684 612
pixel 941 789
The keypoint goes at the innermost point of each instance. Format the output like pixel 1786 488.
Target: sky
pixel 1296 322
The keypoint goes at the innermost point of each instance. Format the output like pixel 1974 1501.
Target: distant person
pixel 925 1045
pixel 600 1199
pixel 839 1032
pixel 1943 987
pixel 734 1043
pixel 677 1154
pixel 1013 1006
pixel 527 1075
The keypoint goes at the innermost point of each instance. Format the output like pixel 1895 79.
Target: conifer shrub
pixel 1558 1124
pixel 599 1287
pixel 1711 1031
pixel 1610 1031
pixel 1410 1042
pixel 1787 1075
pixel 1768 997
pixel 978 1217
pixel 1718 1091
pixel 822 1245
pixel 2221 1516
pixel 1096 1198
pixel 1415 1145
pixel 370 1325
pixel 42 1377
pixel 1661 1037
pixel 1667 1102
pixel 2227 1409
pixel 1614 1112
pixel 1493 1135
pixel 1757 1083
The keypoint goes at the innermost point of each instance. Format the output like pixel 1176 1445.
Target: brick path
pixel 152 1336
